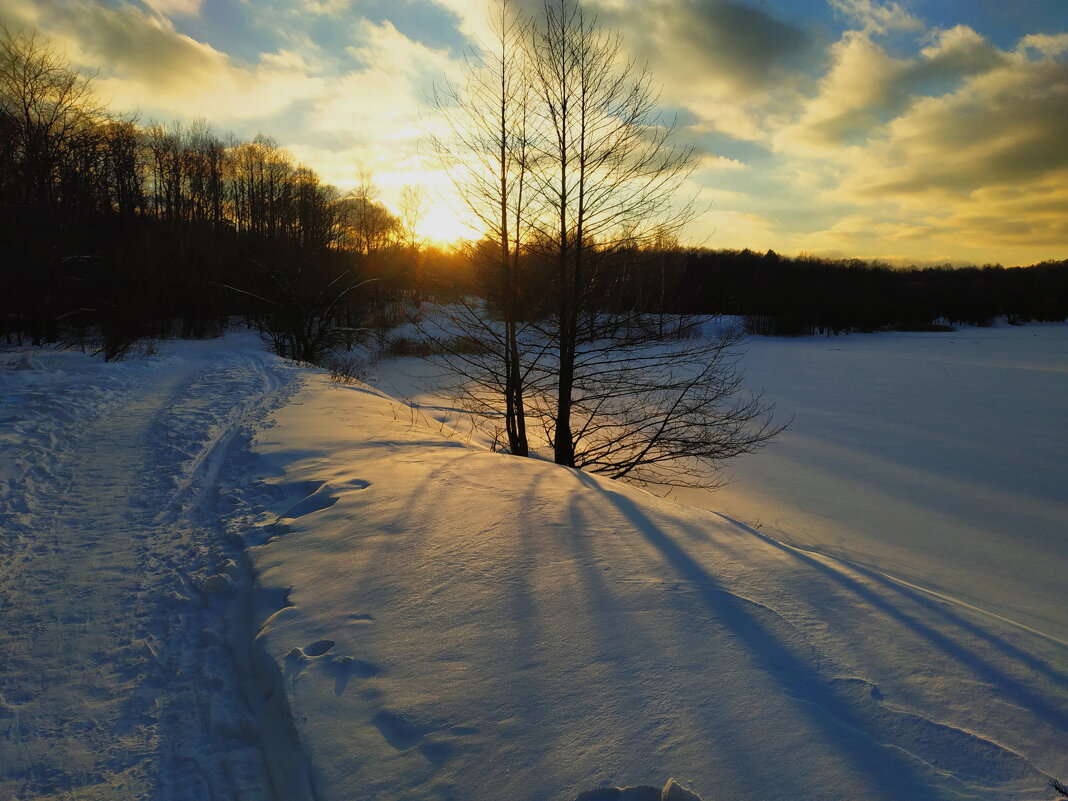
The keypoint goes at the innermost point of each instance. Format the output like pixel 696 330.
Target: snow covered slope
pixel 456 624
pixel 436 621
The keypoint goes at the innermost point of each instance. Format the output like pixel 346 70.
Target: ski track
pixel 119 590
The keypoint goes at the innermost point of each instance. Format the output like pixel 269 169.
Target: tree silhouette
pixel 575 178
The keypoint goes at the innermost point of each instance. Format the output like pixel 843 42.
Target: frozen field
pixel 936 458
pixel 872 611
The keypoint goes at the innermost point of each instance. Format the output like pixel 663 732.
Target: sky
pixel 918 131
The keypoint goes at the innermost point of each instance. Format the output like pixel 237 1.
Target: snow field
pixel 224 577
pixel 936 458
pixel 451 622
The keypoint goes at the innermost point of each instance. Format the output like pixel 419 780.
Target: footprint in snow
pixel 317 648
pixel 316 502
pixel 397 730
pixel 344 668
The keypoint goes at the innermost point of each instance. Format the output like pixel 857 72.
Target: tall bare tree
pixel 489 119
pixel 576 179
pixel 613 186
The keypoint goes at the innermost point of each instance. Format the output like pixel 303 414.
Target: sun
pixel 443 226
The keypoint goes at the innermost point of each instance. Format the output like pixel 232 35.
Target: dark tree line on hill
pixel 782 296
pixel 110 231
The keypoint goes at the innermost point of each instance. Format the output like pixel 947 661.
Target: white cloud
pixel 877 17
pixel 710 161
pixel 866 88
pixel 1050 45
pixel 860 87
pixel 1005 127
pixel 175 7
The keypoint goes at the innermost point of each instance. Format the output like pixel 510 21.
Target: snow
pixel 119 594
pixel 871 612
pixel 937 458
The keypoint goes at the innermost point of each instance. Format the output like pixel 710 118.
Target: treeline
pixel 807 295
pixel 782 296
pixel 111 231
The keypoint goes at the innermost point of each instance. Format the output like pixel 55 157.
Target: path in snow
pixel 116 584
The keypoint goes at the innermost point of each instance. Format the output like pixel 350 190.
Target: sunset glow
pixel 916 131
pixel 442 226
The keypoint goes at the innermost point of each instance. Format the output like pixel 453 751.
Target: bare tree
pixel 489 119
pixel 368 227
pixel 48 105
pixel 609 180
pixel 576 179
pixel 413 208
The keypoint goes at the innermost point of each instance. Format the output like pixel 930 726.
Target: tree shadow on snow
pixel 875 741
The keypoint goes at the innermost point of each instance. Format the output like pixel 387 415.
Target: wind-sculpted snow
pixel 120 620
pixel 463 624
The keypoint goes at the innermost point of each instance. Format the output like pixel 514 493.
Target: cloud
pixel 175 7
pixel 1049 45
pixel 1007 224
pixel 325 8
pixel 1004 127
pixel 865 87
pixel 878 17
pixel 711 161
pixel 859 90
pixel 375 117
pixel 737 42
pixel 981 169
pixel 143 63
pixel 724 60
pixel 728 228
pixel 143 47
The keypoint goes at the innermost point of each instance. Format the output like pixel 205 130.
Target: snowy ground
pixel 117 589
pixel 936 458
pixel 449 623
pixel 462 623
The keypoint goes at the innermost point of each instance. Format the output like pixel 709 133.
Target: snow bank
pixel 453 623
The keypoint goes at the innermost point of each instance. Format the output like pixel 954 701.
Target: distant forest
pixel 112 231
pixel 808 295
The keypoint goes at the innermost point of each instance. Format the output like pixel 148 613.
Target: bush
pixel 349 370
